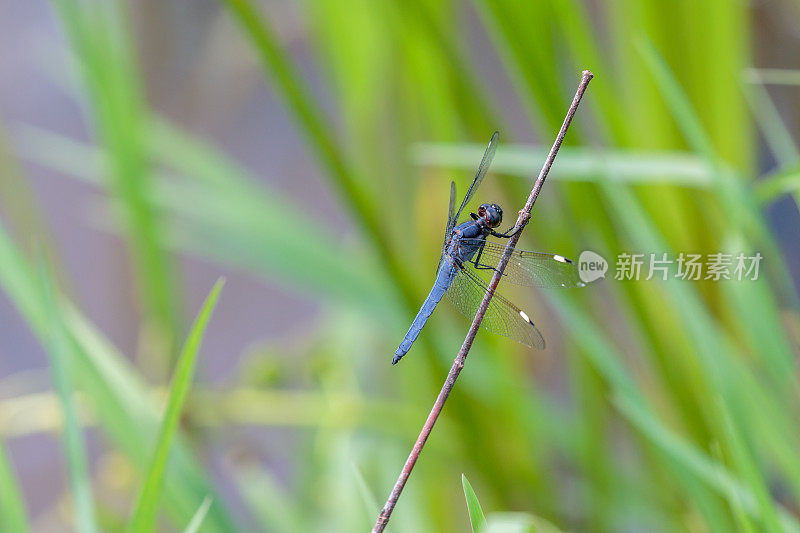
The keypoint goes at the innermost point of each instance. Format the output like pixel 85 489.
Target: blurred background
pixel 303 150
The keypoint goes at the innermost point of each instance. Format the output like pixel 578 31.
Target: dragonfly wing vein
pixel 531 269
pixel 451 223
pixel 502 317
pixel 488 155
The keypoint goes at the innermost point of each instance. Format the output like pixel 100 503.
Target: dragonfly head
pixel 492 214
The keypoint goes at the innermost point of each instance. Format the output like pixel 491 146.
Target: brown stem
pixel 458 364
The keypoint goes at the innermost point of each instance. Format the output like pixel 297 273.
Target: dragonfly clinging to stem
pixel 466 252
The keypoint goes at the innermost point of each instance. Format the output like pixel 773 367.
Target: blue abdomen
pixel 444 278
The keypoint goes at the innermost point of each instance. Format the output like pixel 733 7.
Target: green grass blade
pixel 199 516
pixel 12 506
pixel 476 517
pixel 481 102
pixel 748 469
pixel 308 114
pixel 695 462
pixel 18 200
pixel 601 353
pixel 273 507
pixel 519 523
pixel 371 505
pixel 523 35
pixel 114 391
pixel 74 446
pixel 344 176
pixel 773 76
pixel 581 38
pixel 636 167
pixel 144 515
pixel 742 213
pixel 772 187
pixel 771 124
pixel 687 120
pixel 122 403
pixel 220 213
pixel 740 516
pixel 99 40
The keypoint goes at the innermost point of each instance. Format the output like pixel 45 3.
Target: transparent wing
pixel 530 269
pixel 502 317
pixel 488 155
pixel 451 223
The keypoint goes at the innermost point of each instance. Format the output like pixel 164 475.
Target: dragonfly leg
pixel 477 261
pixel 480 266
pixel 508 233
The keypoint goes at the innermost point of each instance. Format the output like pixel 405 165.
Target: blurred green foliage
pixel 660 406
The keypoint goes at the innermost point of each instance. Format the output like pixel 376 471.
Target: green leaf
pixel 695 462
pixel 114 391
pixel 371 506
pixel 144 514
pixel 476 518
pixel 12 506
pixel 748 469
pixel 18 200
pixel 274 508
pixel 775 185
pixel 577 164
pixel 519 523
pixel 57 345
pixel 523 35
pixel 199 516
pixel 218 212
pixel 309 116
pixel 344 176
pixel 101 45
pixel 772 125
pixel 773 76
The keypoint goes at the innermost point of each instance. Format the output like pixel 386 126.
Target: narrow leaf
pixel 773 186
pixel 367 496
pixel 697 463
pixel 199 516
pixel 102 48
pixel 220 213
pixel 476 518
pixel 748 469
pixel 145 512
pixel 57 345
pixel 519 523
pixel 773 76
pixel 637 167
pixel 12 506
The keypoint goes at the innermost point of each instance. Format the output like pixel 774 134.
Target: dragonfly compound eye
pixel 494 215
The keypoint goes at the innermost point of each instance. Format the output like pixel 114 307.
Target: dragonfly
pixel 467 254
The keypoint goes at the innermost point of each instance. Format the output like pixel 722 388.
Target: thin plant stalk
pixel 458 364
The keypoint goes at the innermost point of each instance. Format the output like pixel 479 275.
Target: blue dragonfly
pixel 466 254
